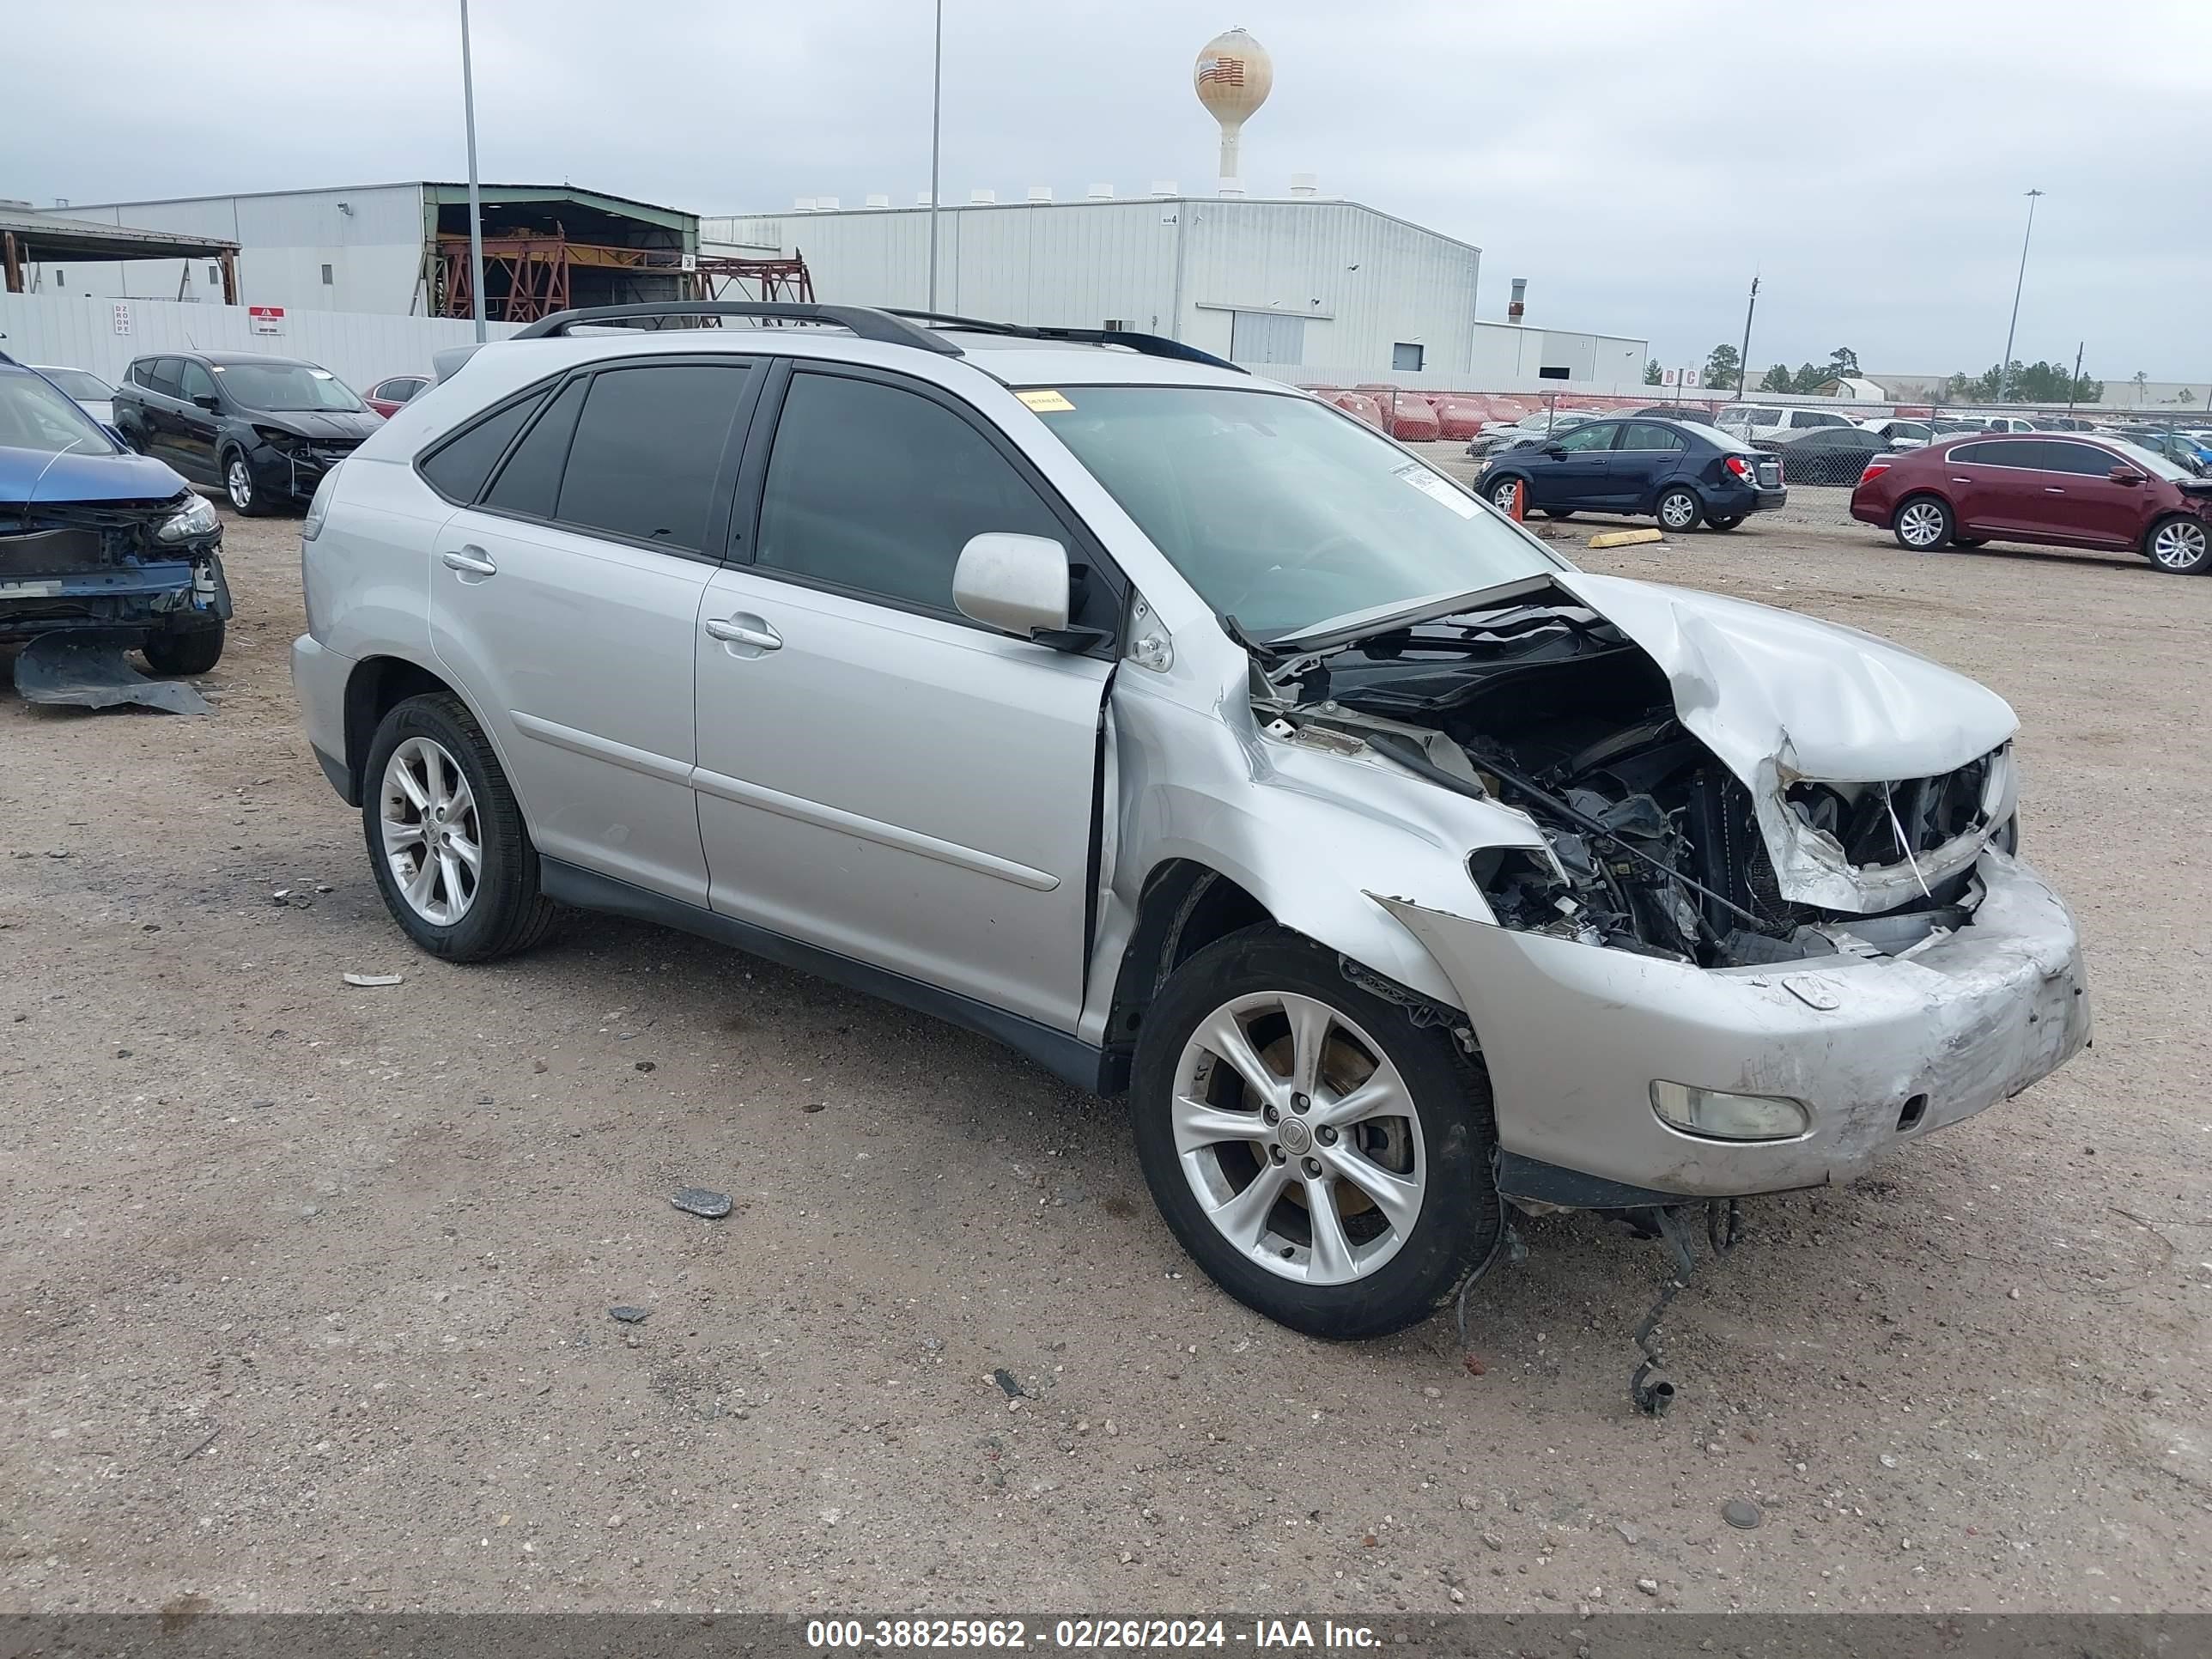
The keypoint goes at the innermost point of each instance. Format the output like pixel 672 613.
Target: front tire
pixel 447 841
pixel 1502 494
pixel 1725 521
pixel 1680 510
pixel 1923 523
pixel 2177 545
pixel 1323 1159
pixel 182 652
pixel 238 485
pixel 1558 511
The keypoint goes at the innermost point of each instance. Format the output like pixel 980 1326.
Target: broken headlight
pixel 188 522
pixel 1718 1115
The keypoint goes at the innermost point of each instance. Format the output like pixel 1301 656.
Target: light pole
pixel 476 201
pixel 1743 365
pixel 936 129
pixel 2004 368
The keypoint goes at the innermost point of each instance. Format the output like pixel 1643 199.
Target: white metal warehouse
pixel 1303 288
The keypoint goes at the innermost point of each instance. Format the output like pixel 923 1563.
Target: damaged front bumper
pixel 1878 1049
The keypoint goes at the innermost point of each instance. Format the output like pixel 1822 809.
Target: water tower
pixel 1233 76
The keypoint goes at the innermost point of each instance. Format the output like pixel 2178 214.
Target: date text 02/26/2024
pixel 1087 1635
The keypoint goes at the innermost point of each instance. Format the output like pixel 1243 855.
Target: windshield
pixel 2152 462
pixel 83 387
pixel 34 415
pixel 1281 512
pixel 286 387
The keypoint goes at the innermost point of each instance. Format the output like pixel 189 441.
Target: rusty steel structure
pixel 527 277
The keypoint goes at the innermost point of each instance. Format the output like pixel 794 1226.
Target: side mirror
pixel 2125 474
pixel 1017 584
pixel 1557 452
pixel 208 400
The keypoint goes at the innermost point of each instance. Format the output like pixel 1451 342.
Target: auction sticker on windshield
pixel 1436 489
pixel 1044 400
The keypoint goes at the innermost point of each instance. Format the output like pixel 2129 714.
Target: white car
pixel 86 390
pixel 1754 421
pixel 1191 737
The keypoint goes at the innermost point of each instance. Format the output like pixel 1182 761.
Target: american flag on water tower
pixel 1229 71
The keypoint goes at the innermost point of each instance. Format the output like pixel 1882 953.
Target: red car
pixel 387 394
pixel 2061 488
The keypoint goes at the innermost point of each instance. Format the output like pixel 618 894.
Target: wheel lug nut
pixel 1269 1113
pixel 1277 1154
pixel 1325 1135
pixel 1313 1168
pixel 1299 1102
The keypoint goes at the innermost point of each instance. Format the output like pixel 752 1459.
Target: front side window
pixel 2085 460
pixel 281 388
pixel 36 416
pixel 649 442
pixel 169 377
pixel 196 382
pixel 1282 512
pixel 1598 435
pixel 875 489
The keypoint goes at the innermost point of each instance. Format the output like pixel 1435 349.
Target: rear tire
pixel 1922 524
pixel 182 652
pixel 1413 1212
pixel 1679 509
pixel 1968 541
pixel 415 811
pixel 2178 545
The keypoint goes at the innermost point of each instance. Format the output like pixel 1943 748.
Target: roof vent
pixel 802 204
pixel 1040 192
pixel 1230 187
pixel 1305 184
pixel 921 198
pixel 878 200
pixel 1165 187
pixel 1102 192
pixel 826 204
pixel 982 198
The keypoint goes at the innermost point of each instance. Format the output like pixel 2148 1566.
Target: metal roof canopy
pixel 438 195
pixel 48 237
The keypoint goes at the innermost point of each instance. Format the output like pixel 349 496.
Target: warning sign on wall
pixel 266 319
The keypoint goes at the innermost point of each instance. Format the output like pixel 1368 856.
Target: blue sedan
pixel 1677 472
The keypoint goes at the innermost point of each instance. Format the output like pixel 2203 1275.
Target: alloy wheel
pixel 1299 1138
pixel 1677 511
pixel 1921 525
pixel 238 479
pixel 1502 497
pixel 433 841
pixel 2178 545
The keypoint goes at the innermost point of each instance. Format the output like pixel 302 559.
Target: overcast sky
pixel 1636 161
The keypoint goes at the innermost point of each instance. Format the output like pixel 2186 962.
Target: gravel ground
pixel 307 1285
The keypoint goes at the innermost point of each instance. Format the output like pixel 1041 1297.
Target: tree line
pixel 2026 383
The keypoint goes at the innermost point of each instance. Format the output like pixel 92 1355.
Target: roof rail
pixel 1152 345
pixel 862 320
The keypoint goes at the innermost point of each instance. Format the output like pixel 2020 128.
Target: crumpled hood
pixel 1819 700
pixel 73 477
pixel 1779 697
pixel 321 426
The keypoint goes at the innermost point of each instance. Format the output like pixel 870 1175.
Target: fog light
pixel 1728 1117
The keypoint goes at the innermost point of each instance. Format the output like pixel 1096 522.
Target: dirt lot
pixel 304 1288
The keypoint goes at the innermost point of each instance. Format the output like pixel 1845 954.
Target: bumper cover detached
pixel 1879 1049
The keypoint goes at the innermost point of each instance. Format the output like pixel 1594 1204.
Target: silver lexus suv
pixel 1191 738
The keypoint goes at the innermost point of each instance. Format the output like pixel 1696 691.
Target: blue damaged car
pixel 101 552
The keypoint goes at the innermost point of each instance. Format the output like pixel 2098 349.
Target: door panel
pixel 2088 504
pixel 1582 476
pixel 930 809
pixel 1647 453
pixel 576 653
pixel 196 428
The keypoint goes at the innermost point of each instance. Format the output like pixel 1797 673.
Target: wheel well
pixel 377 686
pixel 1923 495
pixel 2161 521
pixel 1185 908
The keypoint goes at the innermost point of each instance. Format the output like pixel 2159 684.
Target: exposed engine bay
pixel 1652 844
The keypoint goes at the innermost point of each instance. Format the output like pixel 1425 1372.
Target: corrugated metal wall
pixel 374 252
pixel 1179 265
pixel 359 349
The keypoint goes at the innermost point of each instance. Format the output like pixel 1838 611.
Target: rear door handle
pixel 2052 489
pixel 469 561
pixel 731 631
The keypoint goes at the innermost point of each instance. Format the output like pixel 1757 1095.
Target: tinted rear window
pixel 530 482
pixel 457 468
pixel 649 445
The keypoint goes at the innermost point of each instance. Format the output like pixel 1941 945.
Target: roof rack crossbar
pixel 864 321
pixel 1152 345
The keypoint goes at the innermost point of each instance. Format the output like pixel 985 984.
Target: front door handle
pixel 749 631
pixel 469 561
pixel 2052 489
